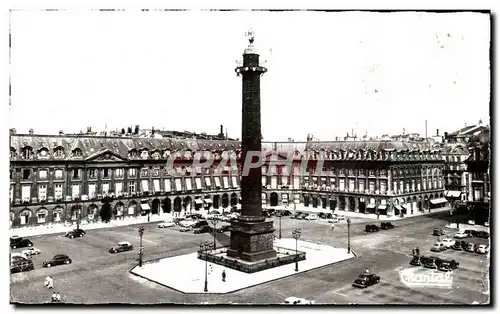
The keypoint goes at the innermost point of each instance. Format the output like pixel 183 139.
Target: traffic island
pixel 186 273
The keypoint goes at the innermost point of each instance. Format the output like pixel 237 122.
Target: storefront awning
pixel 198 201
pixel 438 201
pixel 370 206
pixel 145 206
pixel 455 194
pixel 382 206
pixel 398 207
pixel 208 200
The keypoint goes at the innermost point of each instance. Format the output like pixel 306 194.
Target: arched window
pixel 27 152
pixel 59 152
pixel 132 153
pixel 156 155
pixel 144 154
pixel 77 152
pixel 43 153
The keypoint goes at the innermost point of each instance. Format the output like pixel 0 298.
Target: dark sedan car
pixel 437 232
pixel 76 233
pixel 470 232
pixel 448 265
pixel 386 225
pixel 17 242
pixel 194 216
pixel 371 228
pixel 459 245
pixel 432 262
pixel 482 234
pixel 200 224
pixel 21 265
pixel 366 280
pixel 296 216
pixel 121 247
pixel 58 259
pixel 205 229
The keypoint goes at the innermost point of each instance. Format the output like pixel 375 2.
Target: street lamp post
pixel 296 235
pixel 204 247
pixel 214 224
pixel 279 216
pixel 348 235
pixel 78 216
pixel 141 249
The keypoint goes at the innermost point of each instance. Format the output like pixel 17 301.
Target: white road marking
pixel 399 268
pixel 131 236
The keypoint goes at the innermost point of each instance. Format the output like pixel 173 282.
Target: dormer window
pixel 77 152
pixel 27 152
pixel 12 153
pixel 144 154
pixel 156 155
pixel 166 153
pixel 59 152
pixel 132 153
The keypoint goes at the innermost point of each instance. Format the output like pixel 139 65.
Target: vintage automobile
pixel 18 242
pixel 437 232
pixel 20 265
pixel 187 223
pixel 121 247
pixel 416 260
pixel 482 234
pixel 311 217
pixel 447 265
pixel 166 224
pixel 459 245
pixel 471 247
pixel 482 249
pixel 75 233
pixel 461 235
pixel 201 223
pixel 224 228
pixel 297 301
pixel 366 280
pixel 386 225
pixel 448 242
pixel 58 259
pixel 371 228
pixel 31 251
pixel 185 229
pixel 439 247
pixel 432 262
pixel 204 229
pixel 333 220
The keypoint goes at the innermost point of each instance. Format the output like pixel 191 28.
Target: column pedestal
pixel 252 241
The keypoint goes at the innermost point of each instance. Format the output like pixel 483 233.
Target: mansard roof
pixel 369 145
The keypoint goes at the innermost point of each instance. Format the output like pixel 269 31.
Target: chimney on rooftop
pixel 32 131
pixel 89 129
pixel 221 129
pixel 136 132
pixel 437 132
pixel 13 131
pixel 61 132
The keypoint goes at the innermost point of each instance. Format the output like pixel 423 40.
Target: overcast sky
pixel 328 73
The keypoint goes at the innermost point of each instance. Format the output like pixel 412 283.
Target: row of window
pixel 118 188
pixel 359 185
pixel 272 170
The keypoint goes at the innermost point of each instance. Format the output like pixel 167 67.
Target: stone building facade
pixel 64 178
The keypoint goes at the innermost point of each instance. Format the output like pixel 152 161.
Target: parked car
pixel 366 280
pixel 18 242
pixel 371 228
pixel 286 212
pixel 187 223
pixel 461 235
pixel 21 265
pixel 31 251
pixel 333 220
pixel 482 234
pixel 166 224
pixel 432 262
pixel 17 256
pixel 470 232
pixel 482 249
pixel 439 247
pixel 458 246
pixel 296 216
pixel 416 260
pixel 121 247
pixel 448 242
pixel 386 225
pixel 75 233
pixel 185 229
pixel 447 265
pixel 204 229
pixel 311 217
pixel 297 301
pixel 177 220
pixel 471 247
pixel 340 217
pixel 438 232
pixel 224 228
pixel 200 224
pixel 195 216
pixel 58 259
pixel 303 216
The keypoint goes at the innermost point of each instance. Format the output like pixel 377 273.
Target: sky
pixel 329 73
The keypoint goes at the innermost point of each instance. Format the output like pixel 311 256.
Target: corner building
pixel 55 179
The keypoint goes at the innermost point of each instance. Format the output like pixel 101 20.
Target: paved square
pixel 186 273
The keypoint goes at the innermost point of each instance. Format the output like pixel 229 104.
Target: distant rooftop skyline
pixel 329 74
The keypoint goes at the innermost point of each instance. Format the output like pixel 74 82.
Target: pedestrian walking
pixel 417 250
pixel 54 297
pixel 224 276
pixel 333 226
pixel 49 282
pixel 367 271
pixel 58 297
pixel 413 252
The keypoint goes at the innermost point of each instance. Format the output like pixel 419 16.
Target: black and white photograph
pixel 249 157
